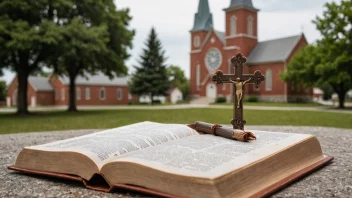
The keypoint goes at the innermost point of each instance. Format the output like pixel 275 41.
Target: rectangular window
pixel 87 93
pixel 198 76
pixel 119 94
pixel 63 94
pixel 102 93
pixel 78 93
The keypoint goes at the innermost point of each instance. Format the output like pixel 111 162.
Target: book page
pixel 210 156
pixel 110 144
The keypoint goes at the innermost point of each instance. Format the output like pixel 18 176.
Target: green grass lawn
pixel 48 121
pixel 275 104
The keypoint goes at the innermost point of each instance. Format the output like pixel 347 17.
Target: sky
pixel 173 19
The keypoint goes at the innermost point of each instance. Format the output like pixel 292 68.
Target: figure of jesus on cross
pixel 238 79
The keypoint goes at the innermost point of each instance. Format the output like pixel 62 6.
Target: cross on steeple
pixel 239 80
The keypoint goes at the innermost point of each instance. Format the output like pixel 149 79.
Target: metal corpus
pixel 238 79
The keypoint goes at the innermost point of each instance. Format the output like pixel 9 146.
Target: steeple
pixel 203 20
pixel 241 4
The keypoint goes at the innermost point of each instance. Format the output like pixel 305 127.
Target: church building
pixel 212 50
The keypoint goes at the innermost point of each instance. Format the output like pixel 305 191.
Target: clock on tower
pixel 213 59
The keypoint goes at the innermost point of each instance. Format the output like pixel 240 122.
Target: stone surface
pixel 334 180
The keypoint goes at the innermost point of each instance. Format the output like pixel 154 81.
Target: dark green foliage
pixel 178 79
pixel 328 91
pixel 252 99
pixel 2 90
pixel 71 36
pixel 151 76
pixel 27 35
pixel 328 61
pixel 220 100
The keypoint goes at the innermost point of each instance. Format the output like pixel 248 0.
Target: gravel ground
pixel 334 180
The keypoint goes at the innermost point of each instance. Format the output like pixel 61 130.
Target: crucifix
pixel 238 79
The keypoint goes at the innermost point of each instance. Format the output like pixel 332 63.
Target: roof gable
pixel 277 50
pixel 97 79
pixel 40 83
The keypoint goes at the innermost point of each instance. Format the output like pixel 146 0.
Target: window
pixel 102 93
pixel 268 80
pixel 233 26
pixel 119 94
pixel 78 93
pixel 56 94
pixel 250 25
pixel 87 93
pixel 196 41
pixel 198 76
pixel 63 94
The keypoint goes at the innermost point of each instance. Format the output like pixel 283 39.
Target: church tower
pixel 241 25
pixel 203 24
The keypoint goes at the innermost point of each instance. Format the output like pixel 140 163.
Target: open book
pixel 175 160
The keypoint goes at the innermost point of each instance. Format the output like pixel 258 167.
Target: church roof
pixel 40 83
pixel 97 79
pixel 241 4
pixel 203 19
pixel 221 36
pixel 277 50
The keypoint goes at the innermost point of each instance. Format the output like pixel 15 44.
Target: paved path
pixel 334 180
pixel 181 106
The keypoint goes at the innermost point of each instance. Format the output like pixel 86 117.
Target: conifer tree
pixel 151 76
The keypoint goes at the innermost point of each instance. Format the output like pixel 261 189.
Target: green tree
pixel 329 60
pixel 95 39
pixel 151 76
pixel 177 78
pixel 2 90
pixel 27 33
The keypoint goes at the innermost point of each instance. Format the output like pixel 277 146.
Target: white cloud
pixel 173 20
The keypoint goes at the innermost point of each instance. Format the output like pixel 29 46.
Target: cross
pixel 239 80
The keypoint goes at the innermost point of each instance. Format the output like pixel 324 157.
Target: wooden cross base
pixel 239 80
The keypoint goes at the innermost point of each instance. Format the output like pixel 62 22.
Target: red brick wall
pixel 110 95
pixel 278 86
pixel 14 86
pixel 58 86
pixel 45 98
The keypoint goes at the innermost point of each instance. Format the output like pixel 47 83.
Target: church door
pixel 211 90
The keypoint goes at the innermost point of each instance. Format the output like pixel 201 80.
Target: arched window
pixel 198 76
pixel 196 41
pixel 268 80
pixel 78 93
pixel 119 94
pixel 250 25
pixel 63 94
pixel 233 26
pixel 87 93
pixel 102 93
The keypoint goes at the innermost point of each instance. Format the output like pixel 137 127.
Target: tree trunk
pixel 22 105
pixel 151 99
pixel 341 99
pixel 72 95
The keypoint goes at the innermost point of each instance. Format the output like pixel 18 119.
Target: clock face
pixel 213 59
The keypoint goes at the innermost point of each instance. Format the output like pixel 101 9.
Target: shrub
pixel 252 99
pixel 220 100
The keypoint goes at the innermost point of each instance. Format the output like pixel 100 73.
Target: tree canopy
pixel 95 38
pixel 72 36
pixel 177 78
pixel 329 60
pixel 26 36
pixel 151 76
